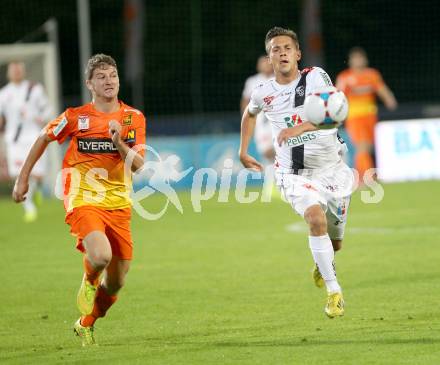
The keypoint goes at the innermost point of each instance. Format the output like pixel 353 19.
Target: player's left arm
pixel 137 159
pixel 21 185
pixel 386 95
pixel 295 131
pixel 382 90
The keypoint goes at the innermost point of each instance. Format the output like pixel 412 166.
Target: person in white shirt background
pixel 24 110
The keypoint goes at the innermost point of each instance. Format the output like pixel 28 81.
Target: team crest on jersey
pixel 83 122
pixel 127 120
pixel 300 90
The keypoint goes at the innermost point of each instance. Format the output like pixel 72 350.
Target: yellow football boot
pixel 86 333
pixel 335 305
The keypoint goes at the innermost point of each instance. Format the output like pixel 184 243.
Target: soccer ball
pixel 326 108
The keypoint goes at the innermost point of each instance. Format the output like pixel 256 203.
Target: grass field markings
pixel 302 227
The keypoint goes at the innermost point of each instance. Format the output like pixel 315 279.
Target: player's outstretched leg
pixel 106 295
pixel 323 255
pixel 97 257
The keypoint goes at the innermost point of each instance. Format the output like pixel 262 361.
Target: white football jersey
pixel 283 107
pixel 20 105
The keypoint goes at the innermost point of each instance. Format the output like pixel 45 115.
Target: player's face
pixel 104 82
pixel 284 55
pixel 357 60
pixel 16 72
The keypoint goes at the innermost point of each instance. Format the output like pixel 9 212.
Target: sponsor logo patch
pixel 96 145
pixel 102 145
pixel 293 120
pixel 131 136
pixel 303 138
pixel 60 127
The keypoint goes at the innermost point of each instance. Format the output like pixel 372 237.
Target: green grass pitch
pixel 232 285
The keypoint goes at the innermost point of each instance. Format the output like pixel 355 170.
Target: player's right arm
pixel 22 183
pixel 248 121
pixel 247 131
pixel 243 104
pixel 58 129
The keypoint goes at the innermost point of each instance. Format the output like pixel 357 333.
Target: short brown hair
pixel 358 50
pixel 98 61
pixel 277 31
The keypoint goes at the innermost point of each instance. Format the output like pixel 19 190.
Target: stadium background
pixel 197 54
pixel 184 63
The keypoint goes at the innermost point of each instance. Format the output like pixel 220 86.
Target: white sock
pixel 323 254
pixel 28 204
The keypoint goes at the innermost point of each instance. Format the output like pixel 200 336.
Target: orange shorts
pixel 361 129
pixel 115 224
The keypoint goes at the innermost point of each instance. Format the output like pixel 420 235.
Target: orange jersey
pixel 360 89
pixel 93 170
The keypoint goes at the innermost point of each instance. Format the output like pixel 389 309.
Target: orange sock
pixel 88 321
pixel 92 275
pixel 103 302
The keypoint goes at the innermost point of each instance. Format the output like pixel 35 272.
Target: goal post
pixel 40 60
